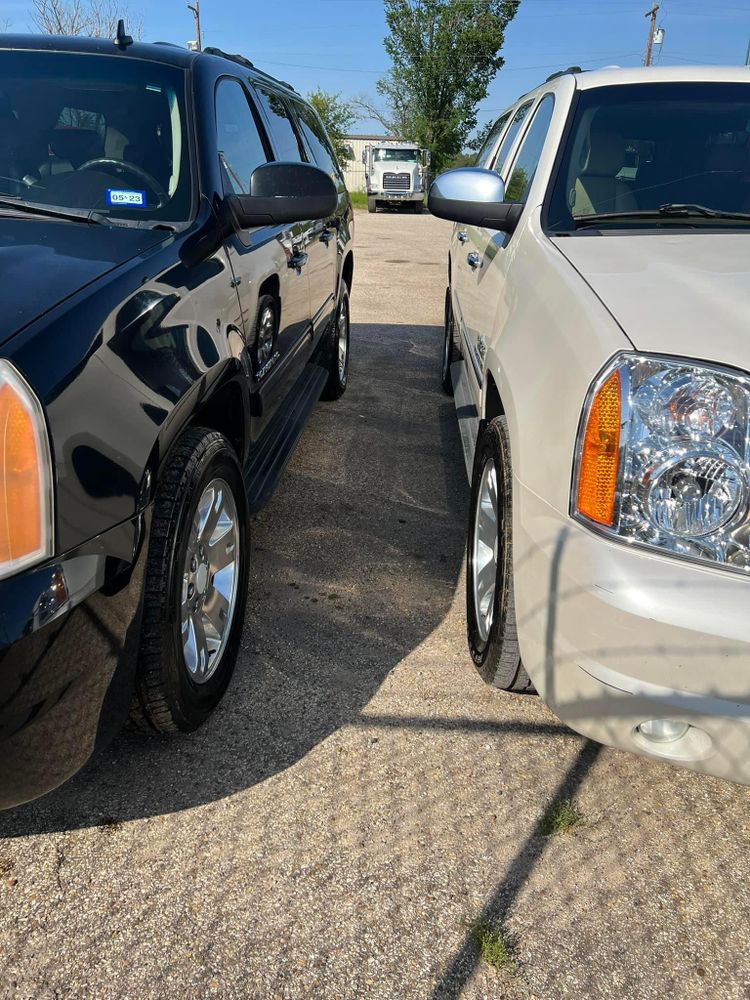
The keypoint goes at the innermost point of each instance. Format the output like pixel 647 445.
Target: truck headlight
pixel 662 459
pixel 25 476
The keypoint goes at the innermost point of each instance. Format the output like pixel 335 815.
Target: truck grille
pixel 396 182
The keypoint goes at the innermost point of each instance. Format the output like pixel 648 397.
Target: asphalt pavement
pixel 361 798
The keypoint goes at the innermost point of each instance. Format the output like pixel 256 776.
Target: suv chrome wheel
pixel 484 563
pixel 209 581
pixel 342 329
pixel 266 332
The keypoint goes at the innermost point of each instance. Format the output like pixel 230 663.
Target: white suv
pixel 597 341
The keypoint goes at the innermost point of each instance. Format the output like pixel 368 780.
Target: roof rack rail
pixel 234 57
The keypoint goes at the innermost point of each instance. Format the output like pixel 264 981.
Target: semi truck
pixel 395 174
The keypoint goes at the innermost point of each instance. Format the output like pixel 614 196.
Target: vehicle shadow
pixel 355 562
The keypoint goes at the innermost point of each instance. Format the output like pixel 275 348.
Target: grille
pixel 396 182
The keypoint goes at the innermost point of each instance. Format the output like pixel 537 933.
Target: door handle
pixel 474 260
pixel 297 260
pixel 462 236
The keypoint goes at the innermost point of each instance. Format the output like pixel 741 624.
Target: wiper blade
pixel 700 211
pixel 672 210
pixel 88 216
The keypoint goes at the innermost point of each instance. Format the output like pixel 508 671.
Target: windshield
pixel 634 149
pixel 396 155
pixel 99 133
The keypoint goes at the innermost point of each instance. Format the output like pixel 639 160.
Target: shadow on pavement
pixel 355 563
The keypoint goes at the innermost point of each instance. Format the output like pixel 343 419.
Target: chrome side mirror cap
pixel 475 197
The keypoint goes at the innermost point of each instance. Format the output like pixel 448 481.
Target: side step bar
pixel 270 455
pixel 466 411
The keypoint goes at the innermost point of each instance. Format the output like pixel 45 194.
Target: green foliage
pixel 560 816
pixel 494 944
pixel 338 116
pixel 444 54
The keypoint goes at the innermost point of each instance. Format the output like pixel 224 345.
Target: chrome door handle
pixel 297 261
pixel 462 236
pixel 474 260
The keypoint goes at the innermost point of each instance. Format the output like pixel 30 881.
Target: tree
pixel 338 116
pixel 444 53
pixel 97 18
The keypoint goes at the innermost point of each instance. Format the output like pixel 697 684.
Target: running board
pixel 466 411
pixel 270 455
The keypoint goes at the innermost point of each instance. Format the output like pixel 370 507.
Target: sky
pixel 338 44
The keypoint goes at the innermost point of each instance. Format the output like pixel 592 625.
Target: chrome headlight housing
pixel 663 458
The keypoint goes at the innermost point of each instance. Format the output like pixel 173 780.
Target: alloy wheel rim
pixel 210 581
pixel 484 561
pixel 343 340
pixel 265 336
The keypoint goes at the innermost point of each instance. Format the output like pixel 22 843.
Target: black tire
pixel 450 350
pixel 267 304
pixel 338 380
pixel 167 700
pixel 372 206
pixel 497 657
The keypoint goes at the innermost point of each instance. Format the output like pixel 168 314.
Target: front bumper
pixel 613 637
pixel 68 642
pixel 396 195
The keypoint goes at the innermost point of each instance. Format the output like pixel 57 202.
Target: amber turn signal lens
pixel 24 476
pixel 599 461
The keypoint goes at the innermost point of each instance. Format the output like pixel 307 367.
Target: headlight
pixel 25 476
pixel 663 458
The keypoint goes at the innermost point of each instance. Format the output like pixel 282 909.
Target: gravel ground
pixel 361 797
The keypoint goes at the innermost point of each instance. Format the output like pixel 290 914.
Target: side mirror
pixel 426 157
pixel 284 192
pixel 473 196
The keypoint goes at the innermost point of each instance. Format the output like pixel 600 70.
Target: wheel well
pixel 347 272
pixel 493 405
pixel 224 413
pixel 270 286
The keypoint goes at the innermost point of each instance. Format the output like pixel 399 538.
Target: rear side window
pixel 237 137
pixel 530 152
pixel 283 136
pixel 316 139
pixel 510 136
pixel 485 153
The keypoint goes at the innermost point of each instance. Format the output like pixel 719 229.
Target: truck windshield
pixel 99 133
pixel 396 155
pixel 676 152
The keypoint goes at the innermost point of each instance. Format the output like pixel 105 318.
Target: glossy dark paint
pixel 128 336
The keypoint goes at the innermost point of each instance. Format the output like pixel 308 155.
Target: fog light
pixel 663 730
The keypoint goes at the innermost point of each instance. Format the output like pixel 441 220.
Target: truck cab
pixel 395 173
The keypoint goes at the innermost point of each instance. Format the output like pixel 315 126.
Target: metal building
pixel 354 170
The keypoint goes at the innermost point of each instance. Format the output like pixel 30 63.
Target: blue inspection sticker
pixel 119 198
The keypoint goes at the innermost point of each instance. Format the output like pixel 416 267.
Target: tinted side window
pixel 510 136
pixel 283 136
pixel 485 153
pixel 237 137
pixel 317 140
pixel 530 152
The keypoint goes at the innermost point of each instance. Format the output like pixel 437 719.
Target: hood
pixel 396 166
pixel 672 293
pixel 43 262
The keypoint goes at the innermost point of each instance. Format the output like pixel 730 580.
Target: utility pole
pixel 651 29
pixel 196 9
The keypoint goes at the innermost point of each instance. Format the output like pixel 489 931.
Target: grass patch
pixel 560 816
pixel 494 944
pixel 359 199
